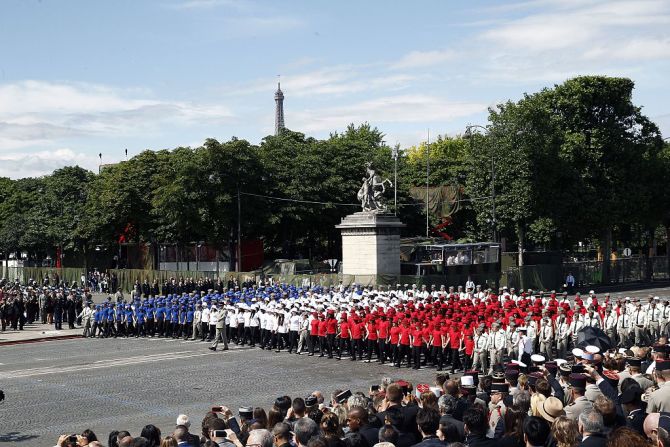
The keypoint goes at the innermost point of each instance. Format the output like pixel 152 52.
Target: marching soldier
pixel 610 323
pixel 497 345
pixel 623 327
pixel 654 316
pixel 546 338
pixel 481 344
pixel 562 334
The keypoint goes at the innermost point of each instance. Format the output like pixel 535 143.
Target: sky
pixel 82 78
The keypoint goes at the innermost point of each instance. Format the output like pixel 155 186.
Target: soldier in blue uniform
pixel 130 321
pixel 97 314
pixel 160 319
pixel 174 320
pixel 120 326
pixel 140 317
pixel 189 322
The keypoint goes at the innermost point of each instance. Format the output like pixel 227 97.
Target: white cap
pixel 577 352
pixel 592 349
pixel 537 358
pixel 559 362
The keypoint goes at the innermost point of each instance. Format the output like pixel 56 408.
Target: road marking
pixel 110 363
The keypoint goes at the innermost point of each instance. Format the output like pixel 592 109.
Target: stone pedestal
pixel 370 244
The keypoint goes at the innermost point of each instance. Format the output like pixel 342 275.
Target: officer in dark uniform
pixel 58 312
pixel 634 408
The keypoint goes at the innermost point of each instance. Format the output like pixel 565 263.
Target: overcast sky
pixel 79 78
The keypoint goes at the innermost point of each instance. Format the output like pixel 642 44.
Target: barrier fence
pixel 539 277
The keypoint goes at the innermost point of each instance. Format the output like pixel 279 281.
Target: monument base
pixel 370 244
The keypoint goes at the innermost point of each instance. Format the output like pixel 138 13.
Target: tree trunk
pixel 520 234
pixel 667 248
pixel 606 244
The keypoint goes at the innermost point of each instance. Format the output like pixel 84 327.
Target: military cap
pixel 498 377
pixel 634 361
pixel 632 394
pixel 578 381
pixel 512 373
pixel 499 388
pixel 662 365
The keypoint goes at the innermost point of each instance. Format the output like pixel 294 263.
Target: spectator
pixel 217 433
pixel 513 427
pixel 168 441
pixel 476 426
pixel 304 430
pixel 447 406
pixel 428 422
pixel 535 431
pixel 262 437
pixel 591 428
pixel 625 437
pixel 448 432
pixel 357 421
pixel 153 434
pixel 182 436
pixel 281 435
pixel 565 432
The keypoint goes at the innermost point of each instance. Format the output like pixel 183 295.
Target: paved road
pixel 66 386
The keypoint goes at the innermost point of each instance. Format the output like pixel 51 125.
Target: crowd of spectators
pixel 502 410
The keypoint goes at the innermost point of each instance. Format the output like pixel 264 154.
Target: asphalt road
pixel 66 386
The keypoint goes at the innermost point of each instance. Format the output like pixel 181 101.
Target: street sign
pixel 627 252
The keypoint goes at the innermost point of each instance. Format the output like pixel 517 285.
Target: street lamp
pixel 395 152
pixel 469 132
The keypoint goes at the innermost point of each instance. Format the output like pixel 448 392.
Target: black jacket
pixel 594 441
pixel 404 419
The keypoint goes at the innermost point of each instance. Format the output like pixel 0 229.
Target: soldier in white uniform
pixel 575 326
pixel 609 325
pixel 512 336
pixel 623 325
pixel 592 319
pixel 639 325
pixel 654 316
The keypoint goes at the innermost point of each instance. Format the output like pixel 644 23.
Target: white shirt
pixel 294 323
pixel 205 315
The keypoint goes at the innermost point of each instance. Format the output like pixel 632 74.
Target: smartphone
pixel 374 388
pixel 72 438
pixel 343 396
pixel 217 409
pixel 219 433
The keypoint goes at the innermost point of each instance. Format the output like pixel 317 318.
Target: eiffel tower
pixel 279 109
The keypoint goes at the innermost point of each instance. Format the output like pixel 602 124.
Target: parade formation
pixel 454 328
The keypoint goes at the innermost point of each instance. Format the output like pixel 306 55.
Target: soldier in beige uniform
pixel 481 345
pixel 634 368
pixel 579 401
pixel 562 334
pixel 546 337
pixel 623 326
pixel 497 407
pixel 497 345
pixel 659 400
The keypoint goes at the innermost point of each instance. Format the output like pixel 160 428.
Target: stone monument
pixel 371 237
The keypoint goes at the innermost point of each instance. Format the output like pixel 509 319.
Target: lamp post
pixel 469 132
pixel 427 176
pixel 395 152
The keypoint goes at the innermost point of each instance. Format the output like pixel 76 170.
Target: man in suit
pixel 591 427
pixel 403 418
pixel 428 421
pixel 579 402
